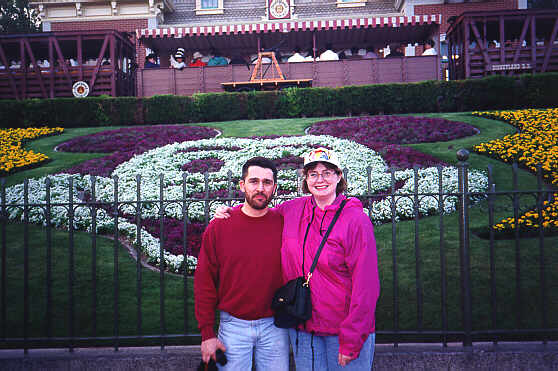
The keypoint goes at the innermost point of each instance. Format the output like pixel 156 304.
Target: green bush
pixel 167 109
pixel 495 92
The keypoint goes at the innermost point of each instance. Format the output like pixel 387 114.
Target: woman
pixel 345 285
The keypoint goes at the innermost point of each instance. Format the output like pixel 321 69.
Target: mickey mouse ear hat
pixel 321 155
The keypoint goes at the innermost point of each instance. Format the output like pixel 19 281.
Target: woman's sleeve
pixel 362 260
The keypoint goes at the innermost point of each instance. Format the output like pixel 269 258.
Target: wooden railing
pixel 25 83
pixel 192 80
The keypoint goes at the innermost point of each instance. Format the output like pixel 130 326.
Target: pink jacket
pixel 345 285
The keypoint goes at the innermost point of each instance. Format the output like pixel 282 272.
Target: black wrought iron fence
pixel 447 274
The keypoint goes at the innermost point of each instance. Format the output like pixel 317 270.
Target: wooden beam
pixel 549 46
pixel 502 39
pixel 482 48
pixel 62 61
pixel 534 44
pixel 98 65
pixel 467 59
pixel 519 46
pixel 140 82
pixel 9 72
pixel 80 56
pixel 35 67
pixel 51 67
pixel 23 68
pixel 112 56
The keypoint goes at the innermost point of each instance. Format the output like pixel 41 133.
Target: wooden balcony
pixel 155 81
pixel 105 60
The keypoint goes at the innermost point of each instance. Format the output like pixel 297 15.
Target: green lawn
pixel 528 306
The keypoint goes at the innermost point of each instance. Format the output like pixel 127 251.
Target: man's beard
pixel 258 204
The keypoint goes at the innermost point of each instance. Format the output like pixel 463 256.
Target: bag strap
pixel 324 239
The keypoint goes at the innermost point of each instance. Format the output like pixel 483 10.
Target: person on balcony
pixel 151 61
pixel 296 57
pixel 309 55
pixel 177 62
pixel 216 59
pixel 265 60
pixel 429 48
pixel 370 54
pixel 395 50
pixel 197 60
pixel 328 54
pixel 355 53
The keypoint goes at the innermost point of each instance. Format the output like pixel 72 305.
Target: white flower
pixel 161 172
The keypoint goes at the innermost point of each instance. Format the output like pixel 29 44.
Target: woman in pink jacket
pixel 345 284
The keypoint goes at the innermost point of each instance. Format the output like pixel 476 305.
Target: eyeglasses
pixel 326 175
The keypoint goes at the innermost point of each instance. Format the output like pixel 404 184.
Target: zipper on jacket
pixel 322 223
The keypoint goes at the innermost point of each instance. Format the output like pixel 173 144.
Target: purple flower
pixel 386 134
pixel 125 143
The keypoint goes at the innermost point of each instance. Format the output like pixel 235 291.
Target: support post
pixel 464 244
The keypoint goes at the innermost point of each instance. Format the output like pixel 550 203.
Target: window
pixel 350 3
pixel 209 4
pixel 209 7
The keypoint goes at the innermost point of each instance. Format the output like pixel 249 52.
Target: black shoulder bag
pixel 291 303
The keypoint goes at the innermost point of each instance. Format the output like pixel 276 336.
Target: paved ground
pixel 504 356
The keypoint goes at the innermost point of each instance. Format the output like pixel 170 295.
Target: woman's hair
pixel 341 186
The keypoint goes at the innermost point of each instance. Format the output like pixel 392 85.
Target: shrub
pixel 495 92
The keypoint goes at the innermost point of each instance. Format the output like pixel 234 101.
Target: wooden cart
pixel 260 81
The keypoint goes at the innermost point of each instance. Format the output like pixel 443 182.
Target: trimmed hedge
pixel 495 92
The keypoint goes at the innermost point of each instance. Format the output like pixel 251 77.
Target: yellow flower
pixel 12 155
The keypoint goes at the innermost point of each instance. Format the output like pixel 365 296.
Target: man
pixel 151 61
pixel 239 270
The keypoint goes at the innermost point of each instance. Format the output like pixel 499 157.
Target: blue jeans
pixel 326 353
pixel 269 344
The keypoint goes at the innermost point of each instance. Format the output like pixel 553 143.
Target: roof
pixel 242 38
pixel 515 13
pixel 256 10
pixel 287 26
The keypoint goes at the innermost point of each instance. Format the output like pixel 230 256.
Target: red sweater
pixel 197 63
pixel 239 268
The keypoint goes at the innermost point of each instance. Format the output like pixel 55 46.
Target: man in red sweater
pixel 239 270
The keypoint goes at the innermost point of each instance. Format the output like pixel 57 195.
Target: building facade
pixel 244 27
pixel 132 15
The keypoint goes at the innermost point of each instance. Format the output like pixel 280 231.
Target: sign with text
pixel 279 9
pixel 512 66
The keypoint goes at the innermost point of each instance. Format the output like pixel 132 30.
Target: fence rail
pixel 445 277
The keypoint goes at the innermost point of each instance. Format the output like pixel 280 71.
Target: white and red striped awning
pixel 246 28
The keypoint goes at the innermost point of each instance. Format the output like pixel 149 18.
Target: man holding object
pixel 239 270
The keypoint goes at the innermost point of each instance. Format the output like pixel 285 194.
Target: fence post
pixel 4 243
pixel 464 259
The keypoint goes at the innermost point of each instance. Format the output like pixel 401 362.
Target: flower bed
pixel 384 134
pixel 535 143
pixel 12 155
pixel 124 143
pixel 229 154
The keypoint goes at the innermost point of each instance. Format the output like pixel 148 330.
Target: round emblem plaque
pixel 80 89
pixel 279 8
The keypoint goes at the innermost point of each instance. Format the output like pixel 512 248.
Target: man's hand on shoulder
pixel 209 347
